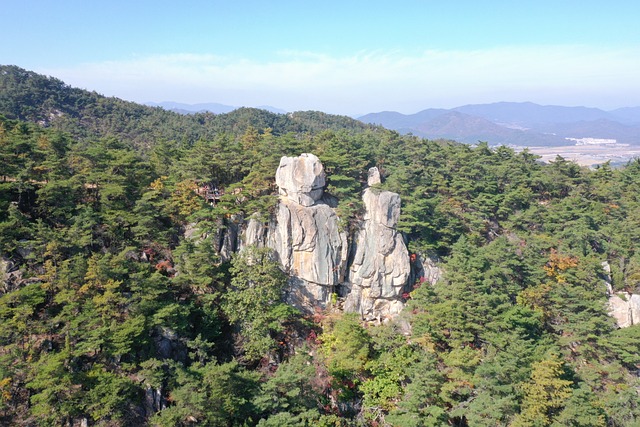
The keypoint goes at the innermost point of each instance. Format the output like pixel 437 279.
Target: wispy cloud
pixel 373 80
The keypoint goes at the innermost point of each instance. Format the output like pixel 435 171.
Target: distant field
pixel 590 155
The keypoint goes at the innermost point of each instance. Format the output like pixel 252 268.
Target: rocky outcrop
pixel 231 234
pixel 606 268
pixel 625 309
pixel 311 249
pixel 6 267
pixel 380 266
pixel 306 235
pixel 369 269
pixel 168 344
pixel 255 233
pixel 154 401
pixel 11 277
pixel 427 270
pixel 314 251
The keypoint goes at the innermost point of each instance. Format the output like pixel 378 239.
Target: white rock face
pixel 301 179
pixel 625 309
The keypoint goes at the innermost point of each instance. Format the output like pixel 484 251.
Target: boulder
pixel 373 177
pixel 301 179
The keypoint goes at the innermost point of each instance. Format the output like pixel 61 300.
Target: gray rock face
pixel 432 271
pixel 254 233
pixel 228 236
pixel 5 276
pixel 168 344
pixel 380 266
pixel 153 401
pixel 426 270
pixel 301 179
pixel 311 249
pixel 625 309
pixel 312 242
pixel 11 277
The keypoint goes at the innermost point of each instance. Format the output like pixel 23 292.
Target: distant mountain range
pixel 211 107
pixel 501 123
pixel 512 123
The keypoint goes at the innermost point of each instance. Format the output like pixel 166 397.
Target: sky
pixel 342 57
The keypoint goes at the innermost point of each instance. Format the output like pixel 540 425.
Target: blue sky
pixel 345 57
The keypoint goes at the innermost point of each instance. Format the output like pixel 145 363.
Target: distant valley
pixel 517 124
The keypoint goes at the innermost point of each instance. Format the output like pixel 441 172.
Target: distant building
pixel 591 141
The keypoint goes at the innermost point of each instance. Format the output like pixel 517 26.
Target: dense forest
pixel 112 314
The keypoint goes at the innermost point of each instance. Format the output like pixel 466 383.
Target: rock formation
pixel 306 236
pixel 625 309
pixel 11 277
pixel 369 269
pixel 315 252
pixel 380 266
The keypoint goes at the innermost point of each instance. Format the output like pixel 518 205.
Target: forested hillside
pixel 117 309
pixel 25 95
